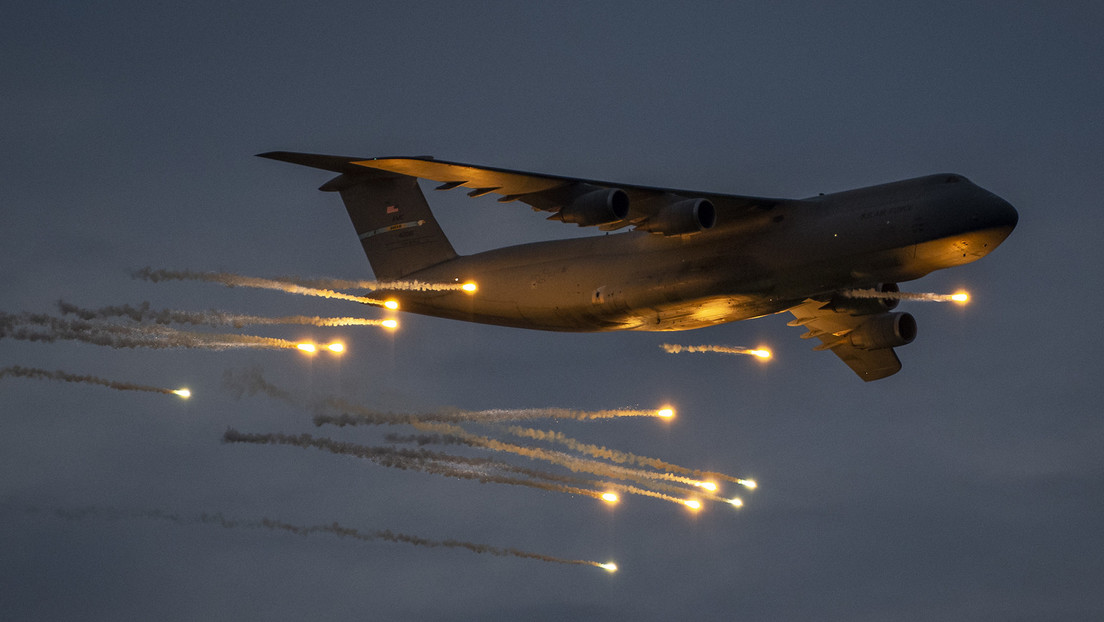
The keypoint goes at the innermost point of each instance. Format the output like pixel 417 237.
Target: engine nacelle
pixel 682 217
pixel 887 330
pixel 858 305
pixel 597 207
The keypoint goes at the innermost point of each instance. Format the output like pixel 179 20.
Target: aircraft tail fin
pixel 389 212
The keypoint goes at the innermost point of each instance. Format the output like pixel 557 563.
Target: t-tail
pixel 389 212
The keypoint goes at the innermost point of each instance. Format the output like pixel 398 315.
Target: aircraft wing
pixel 833 328
pixel 585 202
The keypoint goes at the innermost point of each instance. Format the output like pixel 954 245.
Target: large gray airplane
pixel 691 259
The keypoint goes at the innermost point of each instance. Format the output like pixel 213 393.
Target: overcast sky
pixel 968 486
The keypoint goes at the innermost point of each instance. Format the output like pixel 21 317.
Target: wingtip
pixel 337 164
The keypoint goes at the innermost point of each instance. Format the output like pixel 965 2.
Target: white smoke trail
pixel 925 297
pixel 43 374
pixel 237 280
pixel 574 463
pixel 693 477
pixel 333 529
pixel 252 381
pixel 756 352
pixel 143 313
pixel 435 463
pixel 44 328
pixel 414 286
pixel 358 415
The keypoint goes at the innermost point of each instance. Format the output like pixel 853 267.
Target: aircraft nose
pixel 1006 215
pixel 996 213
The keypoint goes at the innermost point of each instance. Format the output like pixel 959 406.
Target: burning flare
pixel 760 353
pixel 960 297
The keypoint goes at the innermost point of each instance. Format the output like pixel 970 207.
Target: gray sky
pixel 968 486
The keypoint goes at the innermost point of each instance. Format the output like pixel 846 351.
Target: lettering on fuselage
pixel 395 227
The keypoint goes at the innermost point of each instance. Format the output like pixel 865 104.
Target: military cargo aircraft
pixel 689 259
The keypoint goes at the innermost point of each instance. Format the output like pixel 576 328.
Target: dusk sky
pixel 968 486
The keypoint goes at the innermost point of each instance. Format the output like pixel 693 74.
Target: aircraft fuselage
pixel 748 267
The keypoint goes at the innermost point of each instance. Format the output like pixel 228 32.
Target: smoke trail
pixel 49 329
pixel 236 280
pixel 334 529
pixel 434 463
pixel 587 466
pixel 423 439
pixel 675 349
pixel 143 313
pixel 251 382
pixel 416 286
pixel 574 463
pixel 623 457
pixel 926 297
pixel 31 372
pixel 359 415
pixel 640 477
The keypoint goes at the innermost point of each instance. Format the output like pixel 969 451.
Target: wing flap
pixel 832 329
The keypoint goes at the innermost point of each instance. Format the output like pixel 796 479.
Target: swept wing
pixel 863 341
pixel 586 202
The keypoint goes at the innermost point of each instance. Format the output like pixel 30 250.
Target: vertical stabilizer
pixel 389 213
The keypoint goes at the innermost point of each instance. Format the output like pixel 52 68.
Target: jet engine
pixel 682 217
pixel 887 330
pixel 596 207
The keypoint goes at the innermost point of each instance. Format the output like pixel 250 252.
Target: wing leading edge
pixel 648 208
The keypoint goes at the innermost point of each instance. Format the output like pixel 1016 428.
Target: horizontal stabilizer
pixel 337 164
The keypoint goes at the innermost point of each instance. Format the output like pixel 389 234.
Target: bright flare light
pixel 748 483
pixel 307 347
pixel 610 497
pixel 761 353
pixel 710 486
pixel 391 304
pixel 392 324
pixel 960 297
pixel 666 412
pixel 693 504
pixel 336 347
pixel 469 287
pixel 184 393
pixel 737 501
pixel 609 567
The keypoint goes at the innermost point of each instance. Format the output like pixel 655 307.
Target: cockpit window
pixel 954 179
